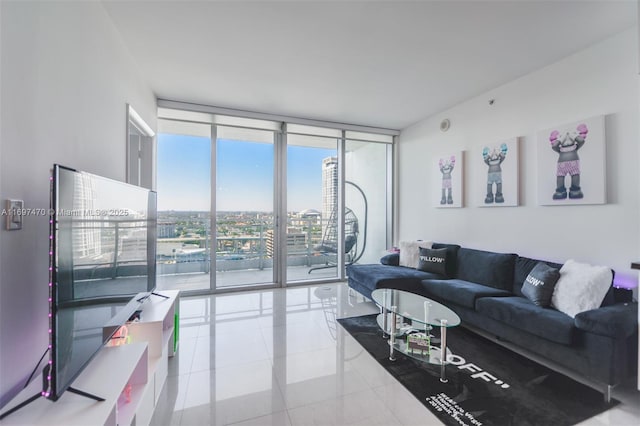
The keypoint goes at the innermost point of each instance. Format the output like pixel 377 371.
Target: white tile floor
pixel 278 357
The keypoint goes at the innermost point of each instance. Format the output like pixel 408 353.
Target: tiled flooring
pixel 278 357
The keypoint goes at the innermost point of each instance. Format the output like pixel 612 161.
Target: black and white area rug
pixel 488 384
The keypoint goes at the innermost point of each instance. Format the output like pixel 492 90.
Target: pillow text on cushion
pixel 540 283
pixel 433 260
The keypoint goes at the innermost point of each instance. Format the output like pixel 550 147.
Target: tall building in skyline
pixel 329 199
pixel 296 242
pixel 86 234
pixel 167 230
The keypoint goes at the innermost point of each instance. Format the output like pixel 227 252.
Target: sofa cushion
pixel 617 321
pixel 539 284
pixel 452 257
pixel 523 267
pixel 382 276
pixel 486 268
pixel 433 260
pixel 581 287
pixel 392 259
pixel 463 293
pixel 520 313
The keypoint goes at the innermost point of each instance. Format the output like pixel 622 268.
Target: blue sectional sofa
pixel 485 289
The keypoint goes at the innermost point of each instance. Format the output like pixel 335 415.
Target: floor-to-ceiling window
pixel 368 192
pixel 287 202
pixel 312 195
pixel 244 191
pixel 183 164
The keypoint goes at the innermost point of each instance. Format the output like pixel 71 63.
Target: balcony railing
pixel 252 250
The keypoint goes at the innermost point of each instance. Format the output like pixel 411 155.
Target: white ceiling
pixel 383 64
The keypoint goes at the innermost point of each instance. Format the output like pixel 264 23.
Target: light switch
pixel 14 213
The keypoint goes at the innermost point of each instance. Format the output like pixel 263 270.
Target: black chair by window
pixel 352 249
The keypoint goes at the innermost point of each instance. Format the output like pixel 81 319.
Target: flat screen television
pixel 102 267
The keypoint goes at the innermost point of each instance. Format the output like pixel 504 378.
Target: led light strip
pixel 46 392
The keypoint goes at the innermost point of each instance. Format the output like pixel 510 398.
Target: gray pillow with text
pixel 540 283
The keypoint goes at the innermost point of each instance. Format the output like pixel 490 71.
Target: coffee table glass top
pixel 412 306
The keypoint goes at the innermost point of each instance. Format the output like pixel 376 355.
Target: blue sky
pixel 244 175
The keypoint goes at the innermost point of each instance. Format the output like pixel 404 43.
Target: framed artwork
pixel 447 175
pixel 496 184
pixel 571 163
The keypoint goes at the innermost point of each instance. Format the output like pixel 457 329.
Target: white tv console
pixel 129 376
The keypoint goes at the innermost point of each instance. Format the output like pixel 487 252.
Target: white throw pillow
pixel 410 252
pixel 581 287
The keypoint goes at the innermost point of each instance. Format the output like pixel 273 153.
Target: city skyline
pixel 244 176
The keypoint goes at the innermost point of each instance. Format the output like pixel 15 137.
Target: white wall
pixel 66 78
pixel 599 80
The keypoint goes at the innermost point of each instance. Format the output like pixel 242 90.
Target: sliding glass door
pixel 244 190
pixel 184 206
pixel 312 208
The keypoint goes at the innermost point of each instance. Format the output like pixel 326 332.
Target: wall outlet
pixel 14 213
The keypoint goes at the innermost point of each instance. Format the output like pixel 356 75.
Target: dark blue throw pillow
pixel 433 260
pixel 540 283
pixel 392 259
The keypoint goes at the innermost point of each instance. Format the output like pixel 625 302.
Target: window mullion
pixel 341 206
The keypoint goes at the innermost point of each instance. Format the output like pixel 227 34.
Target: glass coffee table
pixel 409 314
